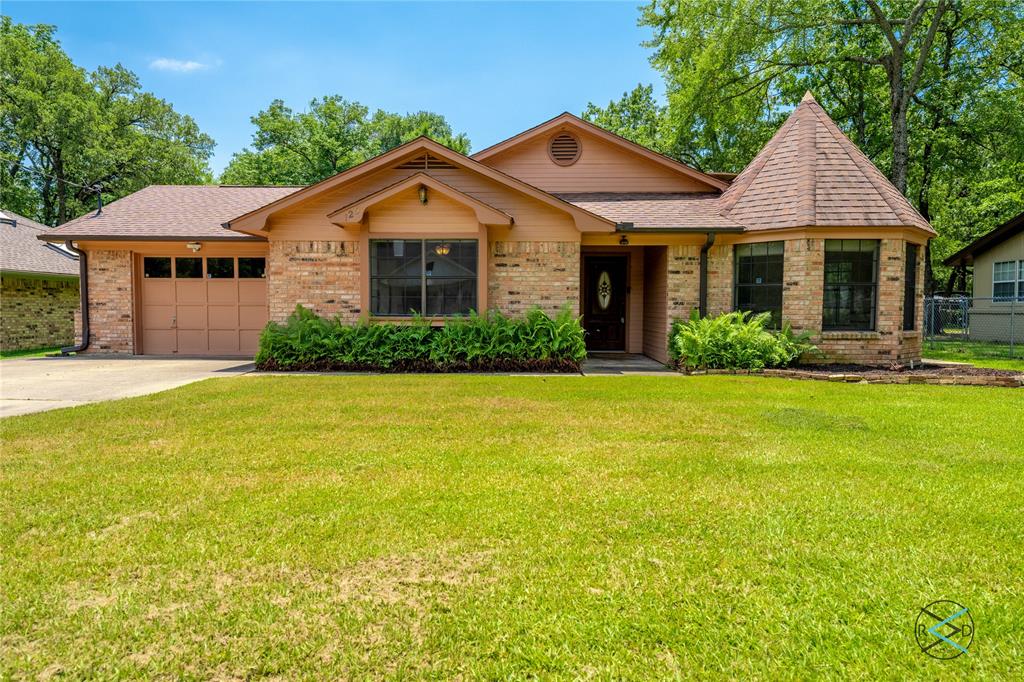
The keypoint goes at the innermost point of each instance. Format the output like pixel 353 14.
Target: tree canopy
pixel 930 90
pixel 300 148
pixel 64 131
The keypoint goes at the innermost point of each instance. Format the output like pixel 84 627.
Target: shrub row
pixel 491 342
pixel 736 340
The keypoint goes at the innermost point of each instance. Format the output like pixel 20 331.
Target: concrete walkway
pixel 623 363
pixel 38 384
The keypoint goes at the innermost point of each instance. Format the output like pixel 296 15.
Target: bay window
pixel 851 284
pixel 430 277
pixel 758 279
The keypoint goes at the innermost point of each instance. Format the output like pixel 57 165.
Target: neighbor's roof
pixel 668 210
pixel 810 174
pixel 21 250
pixel 171 213
pixel 966 255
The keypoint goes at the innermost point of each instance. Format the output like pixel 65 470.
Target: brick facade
pixel 111 303
pixel 321 275
pixel 683 282
pixel 37 312
pixel 802 302
pixel 521 275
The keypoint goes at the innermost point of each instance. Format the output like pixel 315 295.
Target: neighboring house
pixel 38 287
pixel 562 214
pixel 997 260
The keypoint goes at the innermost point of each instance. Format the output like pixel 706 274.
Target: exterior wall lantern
pixel 194 246
pixel 423 194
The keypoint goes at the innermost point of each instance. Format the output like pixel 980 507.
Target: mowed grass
pixel 512 527
pixel 978 353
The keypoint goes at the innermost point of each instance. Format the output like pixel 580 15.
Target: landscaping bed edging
pixel 1007 380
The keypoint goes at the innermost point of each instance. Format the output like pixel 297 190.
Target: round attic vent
pixel 564 149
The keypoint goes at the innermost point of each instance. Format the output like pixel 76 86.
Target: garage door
pixel 202 306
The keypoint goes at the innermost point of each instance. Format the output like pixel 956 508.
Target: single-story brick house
pixel 38 287
pixel 562 214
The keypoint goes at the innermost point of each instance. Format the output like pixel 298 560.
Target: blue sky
pixel 493 69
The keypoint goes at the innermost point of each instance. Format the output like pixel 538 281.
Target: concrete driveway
pixel 38 384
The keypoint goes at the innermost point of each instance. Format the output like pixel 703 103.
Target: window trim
pixel 910 286
pixel 877 258
pixel 736 276
pixel 479 277
pixel 1016 275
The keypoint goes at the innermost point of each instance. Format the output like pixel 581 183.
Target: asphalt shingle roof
pixel 810 174
pixel 655 209
pixel 173 212
pixel 21 250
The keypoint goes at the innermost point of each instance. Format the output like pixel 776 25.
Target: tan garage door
pixel 202 306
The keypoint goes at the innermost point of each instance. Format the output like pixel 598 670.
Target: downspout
pixel 83 293
pixel 708 243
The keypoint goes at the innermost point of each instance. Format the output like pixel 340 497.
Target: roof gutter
pixel 83 294
pixel 709 241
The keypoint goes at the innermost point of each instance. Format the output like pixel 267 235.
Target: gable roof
pixel 566 119
pixel 170 213
pixel 255 220
pixel 354 212
pixel 810 174
pixel 667 211
pixel 21 250
pixel 966 255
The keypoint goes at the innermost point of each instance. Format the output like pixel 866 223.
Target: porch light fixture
pixel 194 246
pixel 624 241
pixel 443 249
pixel 423 194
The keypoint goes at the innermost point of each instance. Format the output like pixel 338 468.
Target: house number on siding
pixel 604 290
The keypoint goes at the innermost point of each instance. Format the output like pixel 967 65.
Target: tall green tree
pixel 64 131
pixel 333 134
pixel 929 89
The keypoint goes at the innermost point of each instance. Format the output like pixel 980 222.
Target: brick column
pixel 111 303
pixel 803 281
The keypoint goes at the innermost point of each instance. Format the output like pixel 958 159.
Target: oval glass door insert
pixel 604 290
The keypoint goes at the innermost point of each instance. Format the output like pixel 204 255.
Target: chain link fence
pixel 984 327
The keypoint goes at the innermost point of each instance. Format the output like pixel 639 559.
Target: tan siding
pixel 534 221
pixel 405 213
pixel 602 167
pixel 1011 249
pixel 655 303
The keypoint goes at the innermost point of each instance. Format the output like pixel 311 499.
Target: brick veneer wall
pixel 111 303
pixel 521 275
pixel 36 312
pixel 683 282
pixel 802 301
pixel 321 275
pixel 720 279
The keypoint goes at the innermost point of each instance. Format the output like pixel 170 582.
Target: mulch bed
pixel 947 375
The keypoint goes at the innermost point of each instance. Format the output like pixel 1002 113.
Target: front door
pixel 604 302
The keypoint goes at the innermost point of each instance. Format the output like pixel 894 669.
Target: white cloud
pixel 177 65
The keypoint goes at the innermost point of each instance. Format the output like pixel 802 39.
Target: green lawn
pixel 33 353
pixel 512 527
pixel 978 353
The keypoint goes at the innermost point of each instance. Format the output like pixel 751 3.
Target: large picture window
pixel 431 277
pixel 851 284
pixel 759 279
pixel 1008 280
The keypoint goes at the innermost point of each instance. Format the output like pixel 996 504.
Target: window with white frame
pixel 1008 280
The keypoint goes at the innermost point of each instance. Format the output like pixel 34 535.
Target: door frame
pixel 626 257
